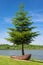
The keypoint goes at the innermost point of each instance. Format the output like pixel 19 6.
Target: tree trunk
pixel 22 49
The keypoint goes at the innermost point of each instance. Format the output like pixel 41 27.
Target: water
pixel 37 54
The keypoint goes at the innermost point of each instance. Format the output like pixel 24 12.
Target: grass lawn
pixel 5 60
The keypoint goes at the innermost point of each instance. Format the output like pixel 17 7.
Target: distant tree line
pixel 18 47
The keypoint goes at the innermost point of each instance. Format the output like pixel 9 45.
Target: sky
pixel 8 8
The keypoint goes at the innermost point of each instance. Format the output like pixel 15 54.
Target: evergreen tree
pixel 22 32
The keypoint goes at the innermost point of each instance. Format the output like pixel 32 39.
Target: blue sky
pixel 8 8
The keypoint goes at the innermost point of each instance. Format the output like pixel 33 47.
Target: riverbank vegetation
pixel 5 60
pixel 18 47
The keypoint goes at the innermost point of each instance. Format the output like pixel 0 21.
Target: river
pixel 37 54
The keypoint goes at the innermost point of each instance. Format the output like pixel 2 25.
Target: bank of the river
pixel 18 47
pixel 5 60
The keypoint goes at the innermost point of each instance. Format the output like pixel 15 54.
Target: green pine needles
pixel 22 32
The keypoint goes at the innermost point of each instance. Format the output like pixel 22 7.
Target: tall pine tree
pixel 22 32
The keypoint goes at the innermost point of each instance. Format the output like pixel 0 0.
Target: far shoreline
pixel 18 47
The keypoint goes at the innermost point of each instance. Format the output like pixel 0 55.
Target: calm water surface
pixel 38 54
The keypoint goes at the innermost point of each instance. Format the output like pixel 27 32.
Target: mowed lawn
pixel 5 60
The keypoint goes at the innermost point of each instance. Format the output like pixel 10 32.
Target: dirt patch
pixel 23 57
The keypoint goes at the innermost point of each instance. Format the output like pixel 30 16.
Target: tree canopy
pixel 22 32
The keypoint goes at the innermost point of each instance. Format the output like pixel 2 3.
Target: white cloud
pixel 7 20
pixel 3 41
pixel 37 16
pixel 4 35
pixel 38 40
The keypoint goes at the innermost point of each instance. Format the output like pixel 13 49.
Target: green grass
pixel 5 60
